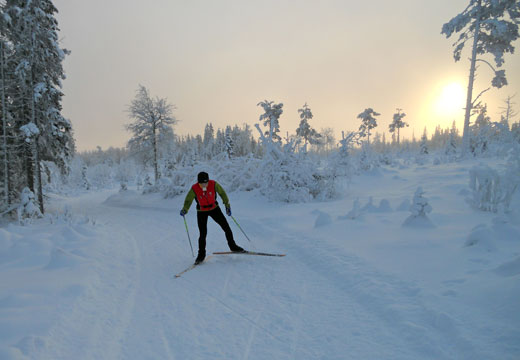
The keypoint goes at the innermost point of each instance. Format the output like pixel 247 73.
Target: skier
pixel 205 194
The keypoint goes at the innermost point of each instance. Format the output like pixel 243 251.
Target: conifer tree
pixel 32 97
pixel 272 113
pixel 368 122
pixel 398 123
pixel 309 134
pixel 492 25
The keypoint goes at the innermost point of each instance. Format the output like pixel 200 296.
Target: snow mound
pixel 354 213
pixel 323 219
pixel 418 222
pixel 369 206
pixel 482 237
pixel 384 206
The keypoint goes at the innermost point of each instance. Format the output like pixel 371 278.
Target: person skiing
pixel 204 192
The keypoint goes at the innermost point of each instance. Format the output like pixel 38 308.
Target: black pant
pixel 202 220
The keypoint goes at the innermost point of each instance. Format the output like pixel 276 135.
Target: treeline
pixel 32 128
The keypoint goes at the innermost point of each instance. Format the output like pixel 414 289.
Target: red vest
pixel 207 200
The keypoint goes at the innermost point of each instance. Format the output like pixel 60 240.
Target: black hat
pixel 203 177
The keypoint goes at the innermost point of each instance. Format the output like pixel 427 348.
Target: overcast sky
pixel 215 60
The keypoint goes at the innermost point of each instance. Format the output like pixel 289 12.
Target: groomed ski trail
pixel 318 302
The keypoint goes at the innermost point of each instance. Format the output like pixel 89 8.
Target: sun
pixel 450 101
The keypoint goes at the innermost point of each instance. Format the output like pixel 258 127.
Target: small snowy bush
pixel 493 191
pixel 419 208
pixel 353 214
pixel 27 209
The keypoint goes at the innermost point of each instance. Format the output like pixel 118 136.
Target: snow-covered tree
pixel 33 92
pixel 508 112
pixel 153 118
pixel 419 209
pixel 230 144
pixel 423 146
pixel 368 122
pixel 481 130
pixel 27 209
pixel 492 26
pixel 451 145
pixel 397 123
pixel 270 117
pixel 492 190
pixel 208 141
pixel 328 139
pixel 305 131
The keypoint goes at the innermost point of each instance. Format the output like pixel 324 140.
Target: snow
pixel 94 280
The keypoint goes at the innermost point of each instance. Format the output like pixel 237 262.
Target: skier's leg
pixel 217 215
pixel 202 222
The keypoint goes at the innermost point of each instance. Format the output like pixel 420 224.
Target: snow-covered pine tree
pixel 36 62
pixel 481 130
pixel 152 118
pixel 27 209
pixel 423 146
pixel 368 122
pixel 305 131
pixel 230 144
pixel 208 141
pixel 492 25
pixel 419 209
pixel 270 117
pixel 397 123
pixel 3 96
pixel 451 144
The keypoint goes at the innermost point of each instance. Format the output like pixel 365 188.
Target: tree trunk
pixel 154 142
pixel 7 199
pixel 29 166
pixel 38 175
pixel 469 98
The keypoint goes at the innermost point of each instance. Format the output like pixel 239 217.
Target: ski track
pixel 235 306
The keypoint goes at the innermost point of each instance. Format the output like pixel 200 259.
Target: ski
pixel 247 253
pixel 191 267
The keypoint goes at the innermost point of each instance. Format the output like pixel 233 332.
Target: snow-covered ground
pixel 96 280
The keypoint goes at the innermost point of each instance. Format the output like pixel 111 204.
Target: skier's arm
pixel 220 190
pixel 189 199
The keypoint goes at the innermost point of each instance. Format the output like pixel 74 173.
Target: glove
pixel 183 212
pixel 228 211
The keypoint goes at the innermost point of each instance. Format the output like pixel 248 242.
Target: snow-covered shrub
pixel 323 219
pixel 419 209
pixel 162 185
pixel 493 191
pixel 369 206
pixel 125 171
pixel 287 176
pixel 384 206
pixel 100 176
pixel 180 182
pixel 52 177
pixel 354 213
pixel 481 236
pixel 27 209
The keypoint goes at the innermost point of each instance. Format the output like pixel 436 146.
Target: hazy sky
pixel 215 60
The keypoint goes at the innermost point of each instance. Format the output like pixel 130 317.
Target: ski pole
pixel 187 232
pixel 247 237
